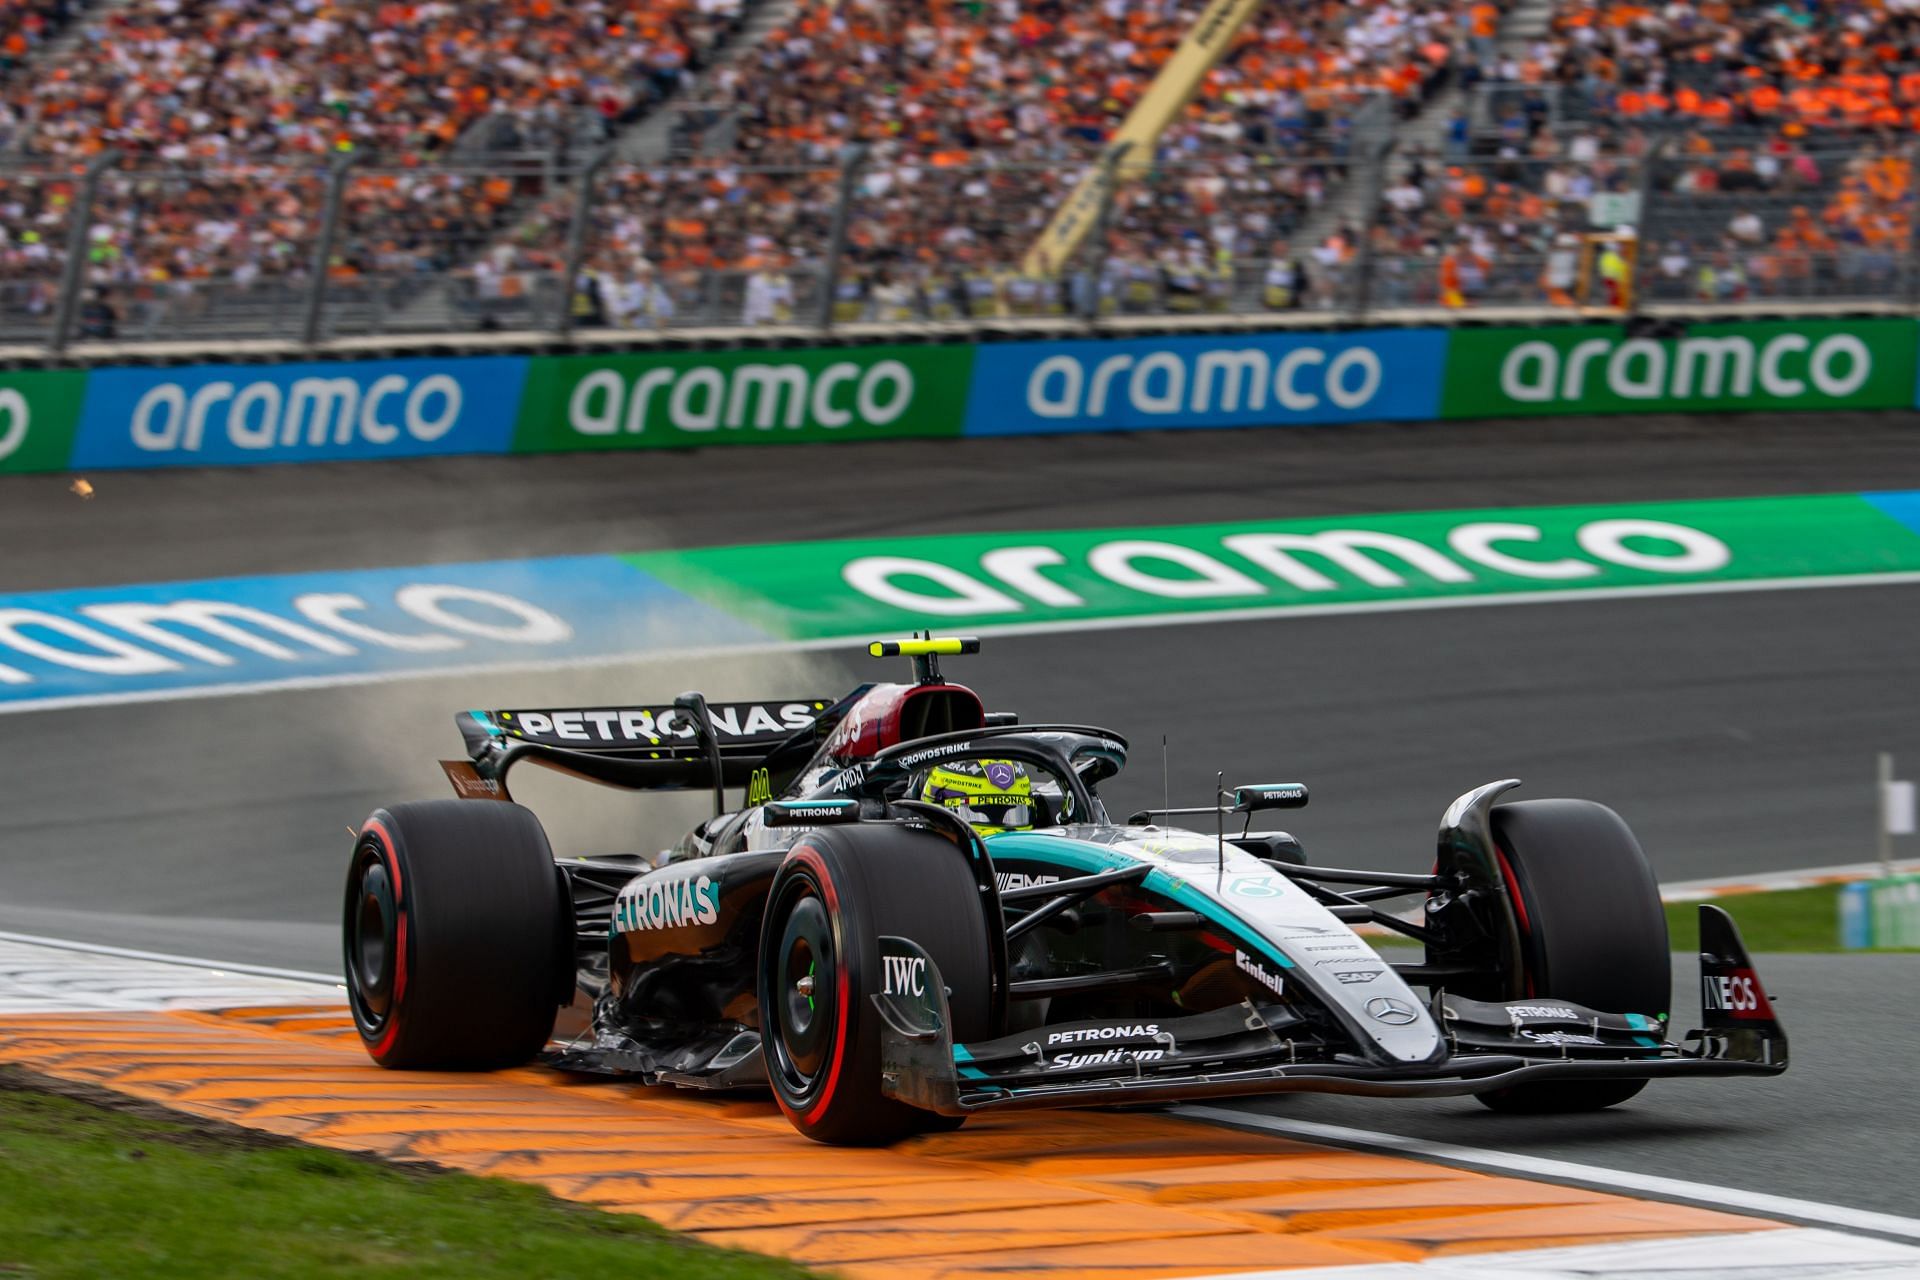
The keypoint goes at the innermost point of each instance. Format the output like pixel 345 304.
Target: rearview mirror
pixel 1256 796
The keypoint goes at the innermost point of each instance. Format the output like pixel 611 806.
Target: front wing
pixel 1246 1049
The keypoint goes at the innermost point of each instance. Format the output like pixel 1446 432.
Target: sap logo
pixel 1010 880
pixel 1704 367
pixel 1165 384
pixel 905 975
pixel 706 398
pixel 1258 972
pixel 310 411
pixel 658 902
pixel 1120 1031
pixel 1352 977
pixel 1737 993
pixel 1111 1057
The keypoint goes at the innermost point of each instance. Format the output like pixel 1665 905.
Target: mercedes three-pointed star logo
pixel 1386 1009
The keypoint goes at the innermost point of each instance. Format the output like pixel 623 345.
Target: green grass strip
pixel 91 1190
pixel 1784 920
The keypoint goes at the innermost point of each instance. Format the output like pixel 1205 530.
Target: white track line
pixel 218 966
pixel 295 684
pixel 1768 881
pixel 1701 1193
pixel 1778 1253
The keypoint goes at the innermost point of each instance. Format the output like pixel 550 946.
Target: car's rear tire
pixel 453 935
pixel 839 890
pixel 1592 929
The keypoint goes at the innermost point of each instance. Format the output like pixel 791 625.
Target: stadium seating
pixel 226 81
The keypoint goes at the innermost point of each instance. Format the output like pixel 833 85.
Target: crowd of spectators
pixel 1046 78
pixel 978 117
pixel 233 81
pixel 1793 68
pixel 1724 220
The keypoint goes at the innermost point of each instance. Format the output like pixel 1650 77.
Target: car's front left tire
pixel 1592 930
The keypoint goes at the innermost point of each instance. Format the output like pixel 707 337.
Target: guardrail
pixel 589 397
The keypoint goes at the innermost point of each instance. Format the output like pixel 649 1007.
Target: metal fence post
pixel 1375 186
pixel 1644 253
pixel 323 247
pixel 577 241
pixel 1103 232
pixel 1910 263
pixel 851 159
pixel 73 271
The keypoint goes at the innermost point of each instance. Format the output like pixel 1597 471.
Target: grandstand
pixel 255 170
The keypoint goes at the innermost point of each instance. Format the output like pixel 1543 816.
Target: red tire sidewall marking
pixel 1519 906
pixel 382 838
pixel 810 859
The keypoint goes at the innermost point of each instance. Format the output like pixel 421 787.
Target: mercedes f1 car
pixel 886 963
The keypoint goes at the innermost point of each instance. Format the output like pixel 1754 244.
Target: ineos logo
pixel 1734 993
pixel 905 975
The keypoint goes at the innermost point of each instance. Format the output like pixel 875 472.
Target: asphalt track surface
pixel 1735 732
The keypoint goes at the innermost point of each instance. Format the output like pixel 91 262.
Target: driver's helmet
pixel 989 795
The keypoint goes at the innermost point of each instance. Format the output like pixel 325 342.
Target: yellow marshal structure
pixel 1131 148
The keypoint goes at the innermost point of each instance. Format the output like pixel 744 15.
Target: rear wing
pixel 687 745
pixel 738 727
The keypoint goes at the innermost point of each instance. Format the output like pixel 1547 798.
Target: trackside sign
pixel 850 588
pixel 37 416
pixel 742 397
pixel 1812 364
pixel 186 638
pixel 224 414
pixel 1222 380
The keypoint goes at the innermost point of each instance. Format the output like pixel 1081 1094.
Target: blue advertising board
pixel 1216 380
pixel 134 643
pixel 210 415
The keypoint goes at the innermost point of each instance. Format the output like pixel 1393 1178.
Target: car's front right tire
pixel 1592 930
pixel 838 892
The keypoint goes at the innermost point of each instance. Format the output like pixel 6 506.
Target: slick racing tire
pixel 839 890
pixel 454 936
pixel 1592 929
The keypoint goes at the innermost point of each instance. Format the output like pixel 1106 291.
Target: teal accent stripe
pixel 1160 880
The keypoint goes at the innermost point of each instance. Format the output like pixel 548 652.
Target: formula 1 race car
pixel 890 954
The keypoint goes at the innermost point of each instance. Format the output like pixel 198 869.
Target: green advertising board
pixel 1806 364
pixel 37 416
pixel 692 398
pixel 1063 578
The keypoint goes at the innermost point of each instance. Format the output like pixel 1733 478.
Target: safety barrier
pixel 212 414
pixel 1880 913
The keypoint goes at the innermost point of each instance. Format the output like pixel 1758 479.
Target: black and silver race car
pixel 886 968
